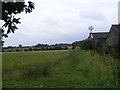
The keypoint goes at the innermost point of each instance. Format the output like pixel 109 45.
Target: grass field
pixel 59 69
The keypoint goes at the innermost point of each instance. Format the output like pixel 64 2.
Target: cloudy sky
pixel 63 21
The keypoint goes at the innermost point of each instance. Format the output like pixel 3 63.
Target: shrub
pixel 17 50
pixel 26 50
pixel 86 45
pixel 30 49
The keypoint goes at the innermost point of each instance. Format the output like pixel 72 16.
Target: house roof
pixel 100 35
pixel 117 27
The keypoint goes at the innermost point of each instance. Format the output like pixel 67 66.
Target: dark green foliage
pixel 76 43
pixel 57 48
pixel 41 45
pixel 17 50
pixel 66 47
pixel 26 50
pixel 86 45
pixel 73 47
pixel 43 48
pixel 30 49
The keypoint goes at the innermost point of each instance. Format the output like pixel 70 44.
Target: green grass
pixel 59 69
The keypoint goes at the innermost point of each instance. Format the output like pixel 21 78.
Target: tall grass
pixel 29 63
pixel 105 68
pixel 59 69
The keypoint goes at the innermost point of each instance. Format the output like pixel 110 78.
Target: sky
pixel 63 21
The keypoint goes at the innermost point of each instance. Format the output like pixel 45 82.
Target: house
pixel 98 39
pixel 113 39
pixel 114 35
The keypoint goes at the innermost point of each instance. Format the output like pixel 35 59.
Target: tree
pixel 9 11
pixel 76 43
pixel 20 46
pixel 86 44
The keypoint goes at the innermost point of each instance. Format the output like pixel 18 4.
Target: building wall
pixel 97 43
pixel 112 37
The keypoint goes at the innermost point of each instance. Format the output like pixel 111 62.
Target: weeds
pixel 59 69
pixel 107 66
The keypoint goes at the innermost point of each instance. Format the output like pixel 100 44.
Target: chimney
pixel 119 12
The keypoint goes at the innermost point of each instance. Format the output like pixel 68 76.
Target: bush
pixel 26 50
pixel 66 47
pixel 30 49
pixel 86 45
pixel 17 50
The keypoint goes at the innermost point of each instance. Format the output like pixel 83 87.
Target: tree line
pixel 38 47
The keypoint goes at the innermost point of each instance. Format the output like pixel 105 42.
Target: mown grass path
pixel 58 69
